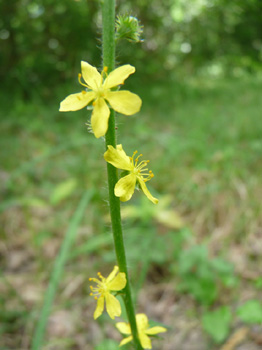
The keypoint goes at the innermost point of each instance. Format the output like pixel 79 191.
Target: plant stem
pixel 108 13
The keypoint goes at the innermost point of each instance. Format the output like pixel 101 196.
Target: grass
pixel 203 138
pixel 58 270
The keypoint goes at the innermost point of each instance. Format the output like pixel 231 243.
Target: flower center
pixel 100 92
pixel 101 288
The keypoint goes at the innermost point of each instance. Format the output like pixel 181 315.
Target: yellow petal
pixel 99 307
pixel 118 76
pixel 123 327
pixel 118 158
pixel 146 192
pixel 155 330
pixel 99 118
pixel 142 322
pixel 145 341
pixel 112 275
pixel 77 101
pixel 125 187
pixel 91 75
pixel 112 306
pixel 118 283
pixel 126 340
pixel 124 102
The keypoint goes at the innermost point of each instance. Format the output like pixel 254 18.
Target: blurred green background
pixel 199 74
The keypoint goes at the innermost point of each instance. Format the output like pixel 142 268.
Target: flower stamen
pixel 80 81
pixel 136 160
pixel 132 158
pixel 104 74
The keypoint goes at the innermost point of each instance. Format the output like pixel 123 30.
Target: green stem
pixel 108 13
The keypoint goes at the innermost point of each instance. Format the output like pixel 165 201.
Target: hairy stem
pixel 108 13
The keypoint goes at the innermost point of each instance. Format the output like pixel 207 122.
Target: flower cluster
pixel 115 282
pixel 102 90
pixel 98 89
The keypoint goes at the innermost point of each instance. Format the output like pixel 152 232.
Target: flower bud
pixel 129 28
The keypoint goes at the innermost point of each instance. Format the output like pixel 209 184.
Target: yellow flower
pixel 98 90
pixel 102 293
pixel 143 331
pixel 125 187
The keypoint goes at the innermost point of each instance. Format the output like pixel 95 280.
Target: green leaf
pixel 203 290
pixel 170 218
pixel 62 191
pixel 250 312
pixel 225 271
pixel 178 240
pixel 24 202
pixel 217 323
pixel 32 202
pixel 193 259
pixel 222 267
pixel 107 345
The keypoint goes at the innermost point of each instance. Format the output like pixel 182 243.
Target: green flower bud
pixel 129 28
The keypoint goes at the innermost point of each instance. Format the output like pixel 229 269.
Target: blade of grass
pixel 58 270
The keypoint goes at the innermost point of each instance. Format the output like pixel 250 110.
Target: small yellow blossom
pixel 102 293
pixel 99 90
pixel 143 331
pixel 125 187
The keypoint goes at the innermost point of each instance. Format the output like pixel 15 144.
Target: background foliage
pixel 42 41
